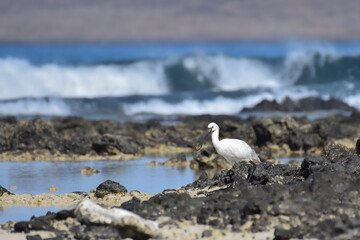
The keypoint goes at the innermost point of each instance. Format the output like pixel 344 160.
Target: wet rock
pixel 128 223
pixel 4 191
pixel 81 147
pixel 336 152
pixel 286 234
pixel 301 105
pixel 288 132
pixel 109 187
pixel 64 214
pixel 8 119
pixel 208 158
pixel 264 153
pixel 69 138
pixel 276 131
pixel 201 181
pixel 111 144
pixel 318 200
pixel 36 223
pixel 175 205
pixel 237 130
pixel 22 226
pixel 89 171
pixel 312 164
pixel 33 237
pixel 99 232
pixel 206 233
pixel 30 135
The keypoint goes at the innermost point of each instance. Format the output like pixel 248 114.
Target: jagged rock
pixel 207 158
pixel 30 135
pixel 336 152
pixel 303 104
pixel 109 187
pixel 114 144
pixel 64 214
pixel 129 224
pixel 318 200
pixel 36 223
pixel 4 190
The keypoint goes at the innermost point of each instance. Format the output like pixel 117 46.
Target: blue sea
pixel 137 81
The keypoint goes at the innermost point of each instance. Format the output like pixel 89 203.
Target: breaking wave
pixel 20 78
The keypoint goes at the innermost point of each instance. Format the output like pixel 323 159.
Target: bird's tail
pixel 254 156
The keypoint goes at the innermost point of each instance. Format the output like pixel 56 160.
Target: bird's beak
pixel 198 147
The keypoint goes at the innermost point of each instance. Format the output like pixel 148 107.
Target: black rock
pixel 112 144
pixel 304 104
pixel 206 233
pixel 75 146
pixel 22 226
pixel 4 190
pixel 33 237
pixel 358 146
pixel 109 187
pixel 64 214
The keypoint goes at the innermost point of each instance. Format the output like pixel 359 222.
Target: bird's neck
pixel 215 138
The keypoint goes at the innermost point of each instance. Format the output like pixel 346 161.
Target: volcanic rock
pixel 304 104
pixel 4 190
pixel 109 187
pixel 113 144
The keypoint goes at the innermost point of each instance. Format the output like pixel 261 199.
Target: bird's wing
pixel 236 148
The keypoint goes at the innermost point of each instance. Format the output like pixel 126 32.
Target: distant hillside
pixel 169 20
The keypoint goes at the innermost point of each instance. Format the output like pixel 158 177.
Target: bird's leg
pixel 236 176
pixel 252 171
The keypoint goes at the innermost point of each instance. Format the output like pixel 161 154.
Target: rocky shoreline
pixel 76 139
pixel 318 198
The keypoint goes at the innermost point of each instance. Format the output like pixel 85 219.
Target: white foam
pixel 19 78
pixel 353 100
pixel 229 74
pixel 218 105
pixel 54 107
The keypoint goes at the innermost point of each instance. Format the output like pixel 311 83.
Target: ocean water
pixel 138 81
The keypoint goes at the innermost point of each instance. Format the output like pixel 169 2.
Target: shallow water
pixel 37 177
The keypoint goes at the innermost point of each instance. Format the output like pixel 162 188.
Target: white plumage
pixel 231 149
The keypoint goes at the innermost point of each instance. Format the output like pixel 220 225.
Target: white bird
pixel 231 149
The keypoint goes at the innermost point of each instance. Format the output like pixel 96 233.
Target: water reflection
pixel 37 177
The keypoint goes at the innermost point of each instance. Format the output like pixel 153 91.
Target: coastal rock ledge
pixel 76 139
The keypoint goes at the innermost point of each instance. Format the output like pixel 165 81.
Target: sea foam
pixel 19 78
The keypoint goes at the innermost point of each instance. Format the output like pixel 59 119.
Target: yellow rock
pixel 53 189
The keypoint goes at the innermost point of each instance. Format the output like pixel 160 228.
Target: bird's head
pixel 212 127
